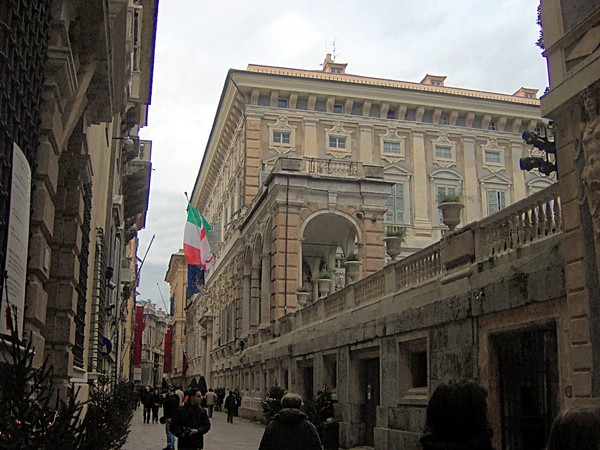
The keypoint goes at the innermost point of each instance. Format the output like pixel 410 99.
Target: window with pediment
pixel 444 151
pixel 392 145
pixel 493 156
pixel 338 141
pixel 537 184
pixel 495 192
pixel 282 136
pixel 398 202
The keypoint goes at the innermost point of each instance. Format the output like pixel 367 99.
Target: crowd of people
pixel 456 418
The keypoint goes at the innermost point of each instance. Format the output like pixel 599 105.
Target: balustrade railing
pixel 333 167
pixel 527 221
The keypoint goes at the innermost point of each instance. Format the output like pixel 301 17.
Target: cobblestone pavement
pixel 241 435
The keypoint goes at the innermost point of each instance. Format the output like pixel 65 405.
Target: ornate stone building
pixel 572 49
pixel 304 168
pixel 152 343
pixel 176 276
pixel 77 80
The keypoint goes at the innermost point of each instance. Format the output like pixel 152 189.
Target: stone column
pixel 311 147
pixel 422 203
pixel 365 146
pixel 254 297
pixel 516 152
pixel 470 186
pixel 246 290
pixel 265 291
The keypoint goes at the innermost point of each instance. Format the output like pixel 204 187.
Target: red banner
pixel 168 360
pixel 140 324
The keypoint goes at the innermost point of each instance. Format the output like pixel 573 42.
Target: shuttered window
pixel 496 200
pixel 395 205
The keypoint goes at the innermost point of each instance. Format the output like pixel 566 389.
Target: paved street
pixel 241 435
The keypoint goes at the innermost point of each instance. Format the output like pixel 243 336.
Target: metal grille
pixel 23 44
pixel 83 276
pixel 528 366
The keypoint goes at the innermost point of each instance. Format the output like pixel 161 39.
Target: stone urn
pixel 393 245
pixel 353 269
pixel 451 213
pixel 302 296
pixel 324 286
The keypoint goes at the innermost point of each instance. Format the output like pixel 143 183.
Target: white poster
pixel 13 297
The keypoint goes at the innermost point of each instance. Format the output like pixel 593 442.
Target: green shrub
pixel 271 404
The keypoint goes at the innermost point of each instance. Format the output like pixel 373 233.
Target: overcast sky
pixel 478 44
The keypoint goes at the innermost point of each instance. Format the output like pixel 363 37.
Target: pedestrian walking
pixel 211 400
pixel 146 400
pixel 456 418
pixel 190 423
pixel 170 407
pixel 578 428
pixel 230 406
pixel 290 429
pixel 155 403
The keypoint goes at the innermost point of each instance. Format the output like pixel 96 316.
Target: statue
pixel 589 145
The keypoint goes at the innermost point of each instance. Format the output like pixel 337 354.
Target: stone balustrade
pixel 523 223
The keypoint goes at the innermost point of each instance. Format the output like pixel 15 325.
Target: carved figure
pixel 590 145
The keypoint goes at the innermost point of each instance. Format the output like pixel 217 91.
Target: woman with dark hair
pixel 456 418
pixel 578 428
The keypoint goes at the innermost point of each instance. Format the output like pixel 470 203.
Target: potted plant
pixel 324 282
pixel 352 264
pixel 302 293
pixel 395 236
pixel 450 203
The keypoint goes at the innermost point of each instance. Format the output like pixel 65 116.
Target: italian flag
pixel 195 242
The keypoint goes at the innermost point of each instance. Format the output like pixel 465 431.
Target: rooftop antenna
pixel 335 54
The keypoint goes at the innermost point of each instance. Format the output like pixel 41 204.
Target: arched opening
pixel 327 239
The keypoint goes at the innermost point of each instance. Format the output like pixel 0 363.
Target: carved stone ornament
pixel 283 126
pixel 338 131
pixel 392 135
pixel 492 145
pixel 589 145
pixel 443 140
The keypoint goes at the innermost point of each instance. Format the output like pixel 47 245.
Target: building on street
pixel 76 82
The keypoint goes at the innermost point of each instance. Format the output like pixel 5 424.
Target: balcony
pixel 136 186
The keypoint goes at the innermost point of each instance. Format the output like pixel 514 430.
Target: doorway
pixel 528 386
pixel 370 397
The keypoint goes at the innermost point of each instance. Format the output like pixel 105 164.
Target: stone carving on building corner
pixel 589 147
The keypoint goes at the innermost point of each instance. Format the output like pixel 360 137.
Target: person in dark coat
pixel 190 423
pixel 577 428
pixel 456 418
pixel 155 403
pixel 145 399
pixel 290 429
pixel 230 403
pixel 170 407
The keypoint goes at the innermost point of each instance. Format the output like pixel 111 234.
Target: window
pixel 391 147
pixel 496 200
pixel 413 364
pixel 338 108
pixel 529 95
pixel 492 125
pixel 336 70
pixel 281 137
pixel 493 157
pixel 391 114
pixel 441 151
pixel 444 120
pixel 395 205
pixel 436 83
pixel 337 142
pixel 282 102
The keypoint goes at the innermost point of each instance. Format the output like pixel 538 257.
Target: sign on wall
pixel 13 297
